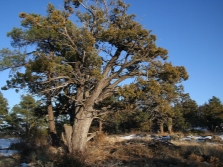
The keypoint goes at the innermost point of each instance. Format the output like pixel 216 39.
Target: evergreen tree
pixel 155 95
pixel 25 113
pixel 211 113
pixel 40 64
pixel 3 110
pixel 186 113
pixel 86 64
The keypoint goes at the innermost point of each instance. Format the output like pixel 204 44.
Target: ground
pixel 118 151
pixel 133 150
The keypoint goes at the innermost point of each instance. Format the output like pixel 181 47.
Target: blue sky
pixel 191 30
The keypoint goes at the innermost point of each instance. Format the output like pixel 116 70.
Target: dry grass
pixel 114 151
pixel 196 158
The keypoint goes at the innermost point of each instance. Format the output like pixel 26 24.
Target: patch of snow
pixel 187 138
pixel 134 136
pixel 197 138
pixel 130 137
pixel 165 137
pixel 5 143
pixel 26 165
pixel 202 138
pixel 200 129
pixel 208 137
pixel 8 153
pixel 162 138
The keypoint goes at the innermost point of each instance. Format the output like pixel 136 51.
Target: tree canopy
pixel 87 63
pixel 211 113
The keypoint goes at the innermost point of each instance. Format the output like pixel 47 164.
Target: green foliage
pixel 23 120
pixel 186 113
pixel 211 113
pixel 128 120
pixel 13 124
pixel 26 105
pixel 3 105
pixel 155 95
pixel 3 110
pixel 118 123
pixel 11 59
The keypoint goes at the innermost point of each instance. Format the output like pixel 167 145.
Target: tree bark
pixel 83 116
pixel 170 124
pixel 161 128
pixel 76 136
pixel 100 126
pixel 51 121
pixel 52 127
pixel 81 127
pixel 66 137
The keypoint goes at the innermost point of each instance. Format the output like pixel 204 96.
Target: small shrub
pixel 194 157
pixel 214 160
pixel 100 138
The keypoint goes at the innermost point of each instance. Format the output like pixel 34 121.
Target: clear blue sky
pixel 191 30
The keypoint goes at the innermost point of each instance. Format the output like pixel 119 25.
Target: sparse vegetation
pixel 105 150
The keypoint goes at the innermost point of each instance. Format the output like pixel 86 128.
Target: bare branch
pixel 58 87
pixel 92 135
pixel 111 63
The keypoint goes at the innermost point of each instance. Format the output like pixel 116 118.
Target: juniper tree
pixel 90 61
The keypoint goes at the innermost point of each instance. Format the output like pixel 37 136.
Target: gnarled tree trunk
pixel 80 133
pixel 76 136
pixel 83 116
